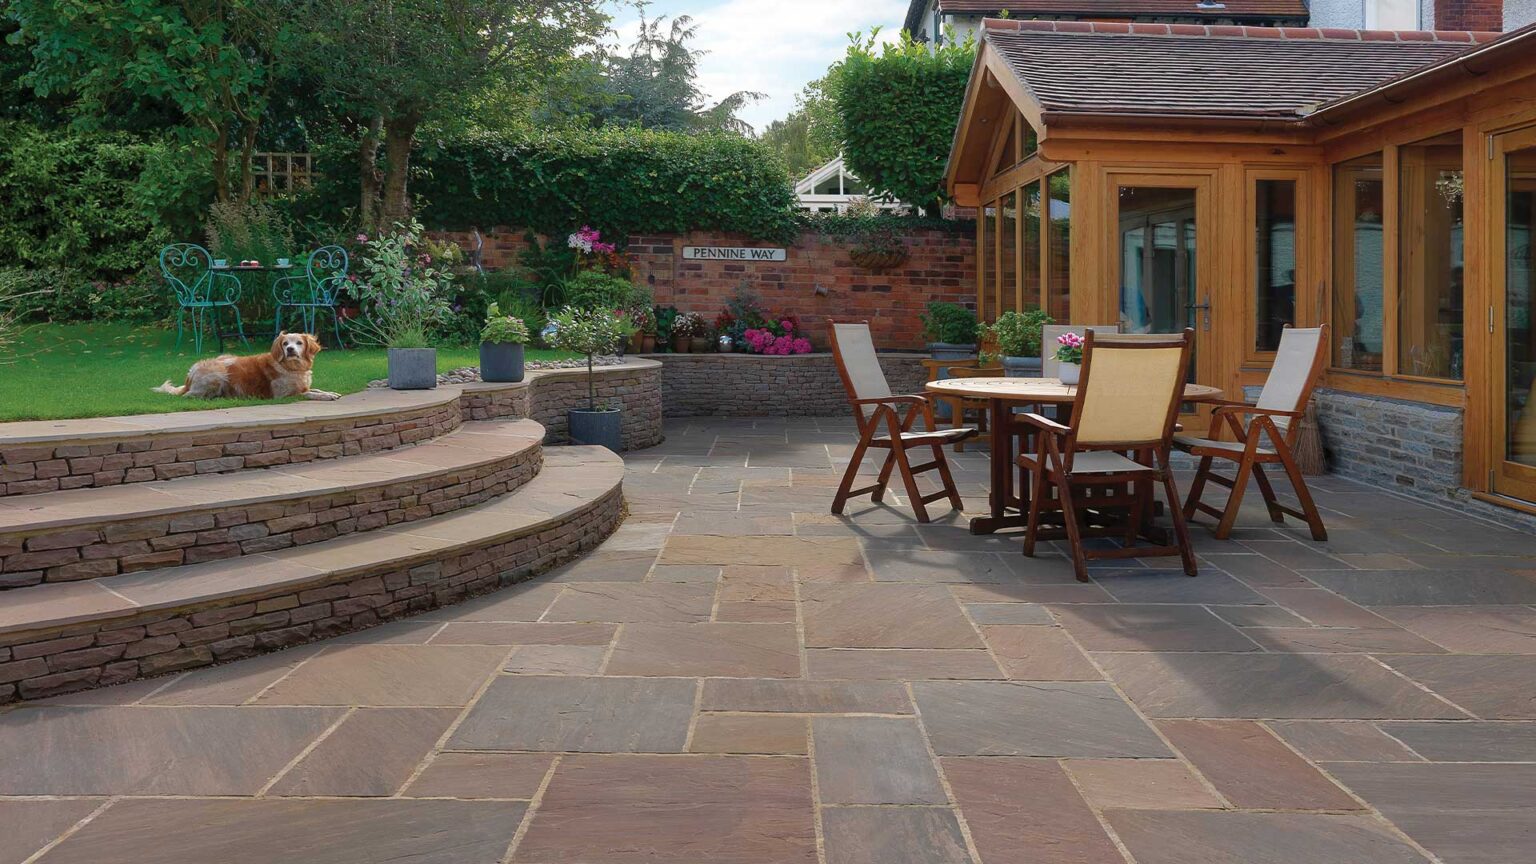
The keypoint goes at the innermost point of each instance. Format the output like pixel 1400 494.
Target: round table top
pixel 1038 389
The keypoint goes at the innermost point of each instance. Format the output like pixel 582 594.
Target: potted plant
pixel 687 328
pixel 951 331
pixel 643 320
pixel 1018 338
pixel 666 316
pixel 1069 352
pixel 402 298
pixel 501 346
pixel 591 332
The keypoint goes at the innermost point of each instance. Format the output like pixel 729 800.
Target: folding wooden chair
pixel 882 426
pixel 1263 434
pixel 1127 402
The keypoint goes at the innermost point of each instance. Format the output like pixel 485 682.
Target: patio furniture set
pixel 1079 461
pixel 204 286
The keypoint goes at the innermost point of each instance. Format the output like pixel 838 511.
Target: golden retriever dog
pixel 284 371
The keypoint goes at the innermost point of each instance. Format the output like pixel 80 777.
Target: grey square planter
pixel 412 368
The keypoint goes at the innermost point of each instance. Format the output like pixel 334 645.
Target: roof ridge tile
pixel 1240 31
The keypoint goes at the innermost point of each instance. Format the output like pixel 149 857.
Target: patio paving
pixel 738 677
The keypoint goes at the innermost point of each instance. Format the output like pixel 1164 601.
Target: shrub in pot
pixel 501 347
pixel 1069 352
pixel 688 328
pixel 950 330
pixel 1018 339
pixel 591 332
pixel 402 298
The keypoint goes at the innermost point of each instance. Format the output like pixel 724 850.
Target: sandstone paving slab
pixel 1209 837
pixel 709 573
pixel 874 760
pixel 757 612
pixel 1429 587
pixel 519 633
pixel 556 659
pixel 1258 616
pixel 152 751
pixel 745 583
pixel 1471 629
pixel 576 714
pixel 674 810
pixel 1319 687
pixel 373 752
pixel 1293 554
pixel 1029 653
pixel 524 602
pixel 1010 593
pixel 1154 627
pixel 407 632
pixel 791 551
pixel 1468 741
pixel 766 734
pixel 606 566
pixel 1254 570
pixel 388 675
pixel 231 683
pixel 1323 608
pixel 893 835
pixel 1066 719
pixel 707 650
pixel 639 603
pixel 1491 687
pixel 27 826
pixel 59 603
pixel 481 775
pixel 636 536
pixel 1473 813
pixel 884 616
pixel 1345 740
pixel 262 831
pixel 1339 640
pixel 1172 586
pixel 1009 613
pixel 936 565
pixel 1252 768
pixel 1051 821
pixel 900 664
pixel 804 697
pixel 734 524
pixel 1155 784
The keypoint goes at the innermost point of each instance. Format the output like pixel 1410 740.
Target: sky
pixel 771 46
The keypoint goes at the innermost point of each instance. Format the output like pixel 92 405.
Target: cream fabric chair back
pixel 1050 367
pixel 1291 377
pixel 1130 389
pixel 855 352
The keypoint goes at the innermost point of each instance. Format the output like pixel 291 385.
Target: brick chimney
pixel 1469 15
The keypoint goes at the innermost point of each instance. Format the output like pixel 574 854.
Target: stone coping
pixel 737 356
pixel 578 477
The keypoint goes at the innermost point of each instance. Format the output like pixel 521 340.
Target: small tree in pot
pixel 403 297
pixel 591 332
pixel 951 331
pixel 501 346
pixel 1018 338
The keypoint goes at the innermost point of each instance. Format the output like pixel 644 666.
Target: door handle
pixel 1205 313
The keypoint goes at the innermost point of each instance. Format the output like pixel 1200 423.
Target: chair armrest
pixel 894 400
pixel 1043 424
pixel 232 288
pixel 1245 408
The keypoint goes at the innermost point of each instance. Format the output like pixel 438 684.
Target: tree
pixel 393 65
pixel 212 62
pixel 899 108
pixel 813 133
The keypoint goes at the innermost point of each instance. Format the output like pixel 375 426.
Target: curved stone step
pixel 50 455
pixel 56 638
pixel 92 533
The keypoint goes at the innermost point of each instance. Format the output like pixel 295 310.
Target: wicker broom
pixel 1309 444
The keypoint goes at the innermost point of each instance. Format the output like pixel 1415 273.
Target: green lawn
pixel 101 370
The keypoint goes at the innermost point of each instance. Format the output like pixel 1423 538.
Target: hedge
pixel 620 181
pixel 101 203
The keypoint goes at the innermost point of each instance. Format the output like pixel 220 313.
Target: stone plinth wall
pixel 212 533
pixel 1409 447
pixel 96 654
pixel 140 456
pixel 749 385
pixel 816 280
pixel 546 395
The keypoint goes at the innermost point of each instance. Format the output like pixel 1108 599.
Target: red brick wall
pixel 1469 15
pixel 940 266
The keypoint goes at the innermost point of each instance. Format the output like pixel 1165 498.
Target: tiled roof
pixel 1135 8
pixel 1082 67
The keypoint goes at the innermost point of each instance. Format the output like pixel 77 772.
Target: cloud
pixel 774 48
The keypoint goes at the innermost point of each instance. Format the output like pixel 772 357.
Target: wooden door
pixel 1513 331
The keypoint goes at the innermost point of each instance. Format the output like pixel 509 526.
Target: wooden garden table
pixel 1002 395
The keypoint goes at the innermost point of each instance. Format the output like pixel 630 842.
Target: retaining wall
pixel 750 385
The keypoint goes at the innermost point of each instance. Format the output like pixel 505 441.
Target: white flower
pixel 577 241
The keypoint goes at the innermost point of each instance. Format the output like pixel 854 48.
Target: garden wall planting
pixel 817 279
pixel 748 385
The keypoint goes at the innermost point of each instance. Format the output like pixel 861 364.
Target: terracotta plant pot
pixel 636 343
pixel 681 344
pixel 648 343
pixel 698 344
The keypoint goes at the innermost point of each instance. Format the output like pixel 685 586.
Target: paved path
pixel 738 677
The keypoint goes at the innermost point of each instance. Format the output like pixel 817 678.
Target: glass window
pixel 1274 264
pixel 1008 156
pixel 1358 250
pixel 984 263
pixel 1058 296
pixel 1029 283
pixel 1429 298
pixel 1031 142
pixel 1520 298
pixel 1007 252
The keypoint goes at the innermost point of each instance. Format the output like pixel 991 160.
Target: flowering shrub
pixel 503 328
pixel 778 338
pixel 1069 348
pixel 401 294
pixel 689 324
pixel 594 254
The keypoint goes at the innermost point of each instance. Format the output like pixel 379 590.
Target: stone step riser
pixel 30 469
pixel 124 648
pixel 214 532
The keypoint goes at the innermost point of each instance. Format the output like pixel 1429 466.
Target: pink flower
pixel 362 238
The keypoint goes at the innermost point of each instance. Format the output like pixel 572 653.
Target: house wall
pixel 817 280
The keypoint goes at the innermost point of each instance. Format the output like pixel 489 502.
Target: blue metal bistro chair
pixel 201 292
pixel 319 287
